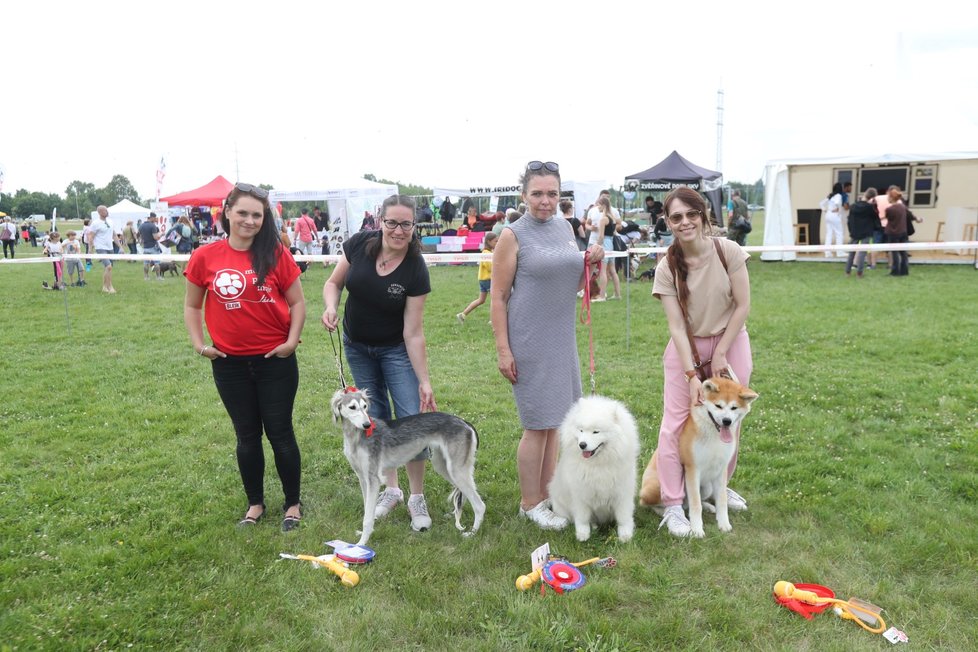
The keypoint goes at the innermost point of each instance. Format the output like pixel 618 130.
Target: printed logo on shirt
pixel 229 284
pixel 396 291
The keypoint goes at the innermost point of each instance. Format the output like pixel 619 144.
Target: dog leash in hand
pixel 586 312
pixel 338 357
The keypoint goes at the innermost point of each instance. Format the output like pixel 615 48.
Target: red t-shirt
pixel 242 317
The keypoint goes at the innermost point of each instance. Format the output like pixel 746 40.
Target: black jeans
pixel 259 395
pixel 899 265
pixel 9 244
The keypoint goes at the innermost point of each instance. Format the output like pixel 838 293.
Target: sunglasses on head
pixel 255 191
pixel 536 166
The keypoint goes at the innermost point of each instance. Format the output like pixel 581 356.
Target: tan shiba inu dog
pixel 706 446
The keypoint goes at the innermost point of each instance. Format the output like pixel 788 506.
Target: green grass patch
pixel 119 489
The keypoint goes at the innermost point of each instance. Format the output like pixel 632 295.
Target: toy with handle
pixel 348 578
pixel 851 609
pixel 526 582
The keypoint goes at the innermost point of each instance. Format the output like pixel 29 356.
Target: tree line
pixel 79 200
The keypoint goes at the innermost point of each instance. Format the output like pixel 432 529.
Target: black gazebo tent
pixel 673 171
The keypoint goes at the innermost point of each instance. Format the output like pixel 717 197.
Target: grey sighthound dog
pixel 372 445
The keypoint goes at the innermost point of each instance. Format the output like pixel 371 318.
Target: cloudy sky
pixel 308 95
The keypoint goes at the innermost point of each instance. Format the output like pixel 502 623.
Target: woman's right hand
pixel 330 319
pixel 507 366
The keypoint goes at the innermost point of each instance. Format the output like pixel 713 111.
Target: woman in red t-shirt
pixel 254 313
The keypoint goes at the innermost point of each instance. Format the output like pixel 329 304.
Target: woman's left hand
pixel 595 253
pixel 283 350
pixel 427 397
pixel 718 363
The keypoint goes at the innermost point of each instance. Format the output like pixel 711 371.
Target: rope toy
pixel 812 598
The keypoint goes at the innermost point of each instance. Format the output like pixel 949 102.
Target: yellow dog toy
pixel 347 577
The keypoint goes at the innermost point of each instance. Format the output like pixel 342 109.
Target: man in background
pixel 738 209
pixel 103 239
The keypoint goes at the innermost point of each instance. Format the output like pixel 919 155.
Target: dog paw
pixel 697 533
pixel 725 527
pixel 468 534
pixel 583 534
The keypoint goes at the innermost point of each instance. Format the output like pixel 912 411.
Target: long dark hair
pixel 266 247
pixel 836 190
pixel 675 255
pixel 375 245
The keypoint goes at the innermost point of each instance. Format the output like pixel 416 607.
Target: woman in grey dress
pixel 537 270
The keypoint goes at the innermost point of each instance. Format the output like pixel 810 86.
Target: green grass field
pixel 120 490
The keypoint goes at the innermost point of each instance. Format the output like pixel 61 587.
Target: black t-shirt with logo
pixel 375 304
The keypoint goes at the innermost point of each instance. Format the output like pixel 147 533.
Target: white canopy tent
pixel 124 211
pixel 346 202
pixel 585 192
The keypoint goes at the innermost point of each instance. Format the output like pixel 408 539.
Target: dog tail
pixel 456 499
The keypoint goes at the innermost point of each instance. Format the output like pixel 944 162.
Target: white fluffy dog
pixel 595 479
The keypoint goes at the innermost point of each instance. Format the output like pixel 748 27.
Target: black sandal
pixel 251 520
pixel 290 523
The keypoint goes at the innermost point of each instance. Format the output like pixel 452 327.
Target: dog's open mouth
pixel 588 454
pixel 725 435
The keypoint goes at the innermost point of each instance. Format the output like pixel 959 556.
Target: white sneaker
pixel 544 517
pixel 460 317
pixel 418 508
pixel 735 502
pixel 387 501
pixel 675 519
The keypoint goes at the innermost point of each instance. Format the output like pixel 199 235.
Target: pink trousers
pixel 675 409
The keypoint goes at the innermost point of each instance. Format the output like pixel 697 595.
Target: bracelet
pixel 690 375
pixel 202 349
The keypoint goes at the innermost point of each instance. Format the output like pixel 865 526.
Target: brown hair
pixel 675 255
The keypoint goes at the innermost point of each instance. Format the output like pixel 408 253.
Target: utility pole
pixel 720 130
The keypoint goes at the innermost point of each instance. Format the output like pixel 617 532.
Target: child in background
pixel 53 248
pixel 73 246
pixel 485 274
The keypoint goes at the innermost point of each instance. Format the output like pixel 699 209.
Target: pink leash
pixel 586 310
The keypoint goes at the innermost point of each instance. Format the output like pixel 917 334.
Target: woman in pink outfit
pixel 711 295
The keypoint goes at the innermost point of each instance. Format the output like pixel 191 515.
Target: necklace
pixel 383 262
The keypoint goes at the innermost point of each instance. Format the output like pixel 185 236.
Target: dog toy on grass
pixel 560 574
pixel 347 577
pixel 807 599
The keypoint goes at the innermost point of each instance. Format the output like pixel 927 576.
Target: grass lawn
pixel 119 488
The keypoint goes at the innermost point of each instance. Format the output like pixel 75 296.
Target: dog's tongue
pixel 587 454
pixel 725 435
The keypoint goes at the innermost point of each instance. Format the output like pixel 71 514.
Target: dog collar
pixel 369 431
pixel 713 420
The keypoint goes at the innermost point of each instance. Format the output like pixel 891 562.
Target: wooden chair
pixel 801 231
pixel 940 230
pixel 969 232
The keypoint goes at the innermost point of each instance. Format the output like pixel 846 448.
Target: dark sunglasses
pixel 536 166
pixel 256 191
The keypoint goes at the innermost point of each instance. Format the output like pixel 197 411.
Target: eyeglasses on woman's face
pixel 691 215
pixel 394 224
pixel 536 166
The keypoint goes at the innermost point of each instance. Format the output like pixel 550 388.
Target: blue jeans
pixel 259 395
pixel 383 371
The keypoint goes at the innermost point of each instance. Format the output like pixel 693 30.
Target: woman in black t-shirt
pixel 383 332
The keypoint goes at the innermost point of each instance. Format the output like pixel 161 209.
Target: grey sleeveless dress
pixel 542 319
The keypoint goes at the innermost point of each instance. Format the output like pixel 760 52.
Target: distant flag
pixel 160 175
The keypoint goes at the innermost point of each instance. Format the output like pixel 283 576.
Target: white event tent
pixel 347 202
